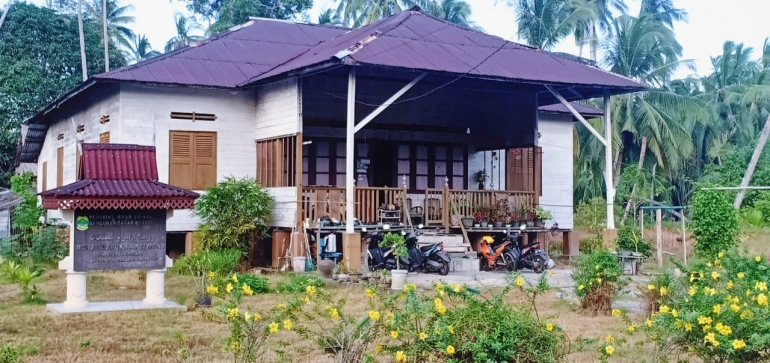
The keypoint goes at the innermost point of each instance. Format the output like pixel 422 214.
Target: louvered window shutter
pixel 104 138
pixel 181 163
pixel 60 167
pixel 45 175
pixel 205 161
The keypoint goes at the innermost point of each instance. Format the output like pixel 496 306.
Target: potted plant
pixel 344 273
pixel 522 215
pixel 458 208
pixel 629 242
pixel 542 215
pixel 480 177
pixel 513 217
pixel 530 218
pixel 501 212
pixel 397 242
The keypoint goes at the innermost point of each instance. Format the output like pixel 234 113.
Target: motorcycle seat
pixel 428 247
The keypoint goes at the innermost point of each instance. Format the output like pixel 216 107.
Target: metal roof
pixel 582 109
pixel 117 176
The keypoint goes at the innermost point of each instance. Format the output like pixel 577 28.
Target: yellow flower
pixel 549 327
pixel 400 356
pixel 437 331
pixel 729 284
pixel 616 312
pixel 715 275
pixel 581 287
pixel 247 290
pixel 212 289
pixel 246 316
pixel 229 288
pixel 334 314
pixel 413 287
pixel 450 350
pixel 282 306
pixel 663 309
pixel 423 336
pixel 287 324
pixel 273 327
pixel 306 300
pixel 758 258
pixel 310 290
pixel 711 338
pixel 674 313
pixel 746 314
pixel 692 291
pixel 704 320
pixel 450 329
pixel 598 280
pixel 741 275
pixel 648 323
pixel 721 254
pixel 211 275
pixel 378 347
pixel 735 308
pixel 739 344
pixel 519 281
pixel 441 309
pixel 458 288
pixel 631 328
pixel 389 315
pixel 688 326
pixel 394 334
pixel 596 267
pixel 706 328
pixel 723 329
pixel 609 339
pixel 234 278
pixel 761 286
pixel 762 299
pixel 717 309
pixel 708 264
pixel 257 317
pixel 651 287
pixel 663 290
pixel 609 350
pixel 232 313
pixel 374 315
pixel 370 292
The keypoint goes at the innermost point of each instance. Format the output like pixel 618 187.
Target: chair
pixel 415 213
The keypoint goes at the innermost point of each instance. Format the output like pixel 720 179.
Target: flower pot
pixel 204 301
pixel 335 276
pixel 399 279
pixel 507 225
pixel 539 223
pixel 522 221
pixel 344 277
pixel 355 277
pixel 490 225
pixel 530 224
pixel 636 254
pixel 326 267
pixel 498 224
pixel 477 225
pixel 624 253
pixel 467 222
pixel 299 263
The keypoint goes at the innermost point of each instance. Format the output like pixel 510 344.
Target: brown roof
pixel 118 176
pixel 582 109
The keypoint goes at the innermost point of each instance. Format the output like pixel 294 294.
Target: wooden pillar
pixel 351 250
pixel 298 181
pixel 659 233
pixel 571 246
pixel 684 239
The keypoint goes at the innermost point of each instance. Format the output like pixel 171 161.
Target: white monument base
pixel 93 307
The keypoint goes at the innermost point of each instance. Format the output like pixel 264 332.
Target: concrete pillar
pixel 76 290
pixel 351 250
pixel 156 285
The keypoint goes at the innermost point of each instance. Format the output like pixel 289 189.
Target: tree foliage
pixel 224 14
pixel 714 222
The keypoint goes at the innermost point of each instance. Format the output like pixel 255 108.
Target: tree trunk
pixel 593 39
pixel 7 9
pixel 618 166
pixel 642 153
pixel 83 63
pixel 753 163
pixel 106 39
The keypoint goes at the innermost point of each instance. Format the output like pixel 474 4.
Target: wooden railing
pixel 439 206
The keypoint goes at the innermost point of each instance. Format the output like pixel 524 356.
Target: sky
pixel 711 23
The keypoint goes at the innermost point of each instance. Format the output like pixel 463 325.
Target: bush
pixel 221 262
pixel 717 311
pixel 630 239
pixel 299 282
pixel 258 284
pixel 598 280
pixel 592 215
pixel 10 354
pixel 714 223
pixel 234 213
pixel 24 276
pixel 590 244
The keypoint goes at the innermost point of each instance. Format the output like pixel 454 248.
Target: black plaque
pixel 120 240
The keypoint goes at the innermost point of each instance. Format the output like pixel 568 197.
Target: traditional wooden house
pixel 336 121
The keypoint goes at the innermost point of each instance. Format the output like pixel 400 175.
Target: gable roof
pixel 118 176
pixel 582 109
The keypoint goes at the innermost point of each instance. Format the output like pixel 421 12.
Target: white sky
pixel 711 23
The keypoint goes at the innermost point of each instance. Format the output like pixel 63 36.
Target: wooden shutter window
pixel 181 163
pixel 193 159
pixel 104 138
pixel 524 172
pixel 59 167
pixel 45 175
pixel 205 160
pixel 277 162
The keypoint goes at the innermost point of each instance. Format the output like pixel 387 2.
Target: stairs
pixel 463 257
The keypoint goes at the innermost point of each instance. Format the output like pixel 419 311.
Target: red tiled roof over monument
pixel 118 176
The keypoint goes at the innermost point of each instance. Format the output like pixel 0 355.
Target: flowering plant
pixel 598 280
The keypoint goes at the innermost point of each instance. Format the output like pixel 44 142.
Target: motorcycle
pixel 497 254
pixel 380 258
pixel 529 256
pixel 431 258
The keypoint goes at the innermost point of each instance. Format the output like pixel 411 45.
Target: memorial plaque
pixel 120 240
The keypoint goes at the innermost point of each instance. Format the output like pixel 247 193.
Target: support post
pixel 684 240
pixel 156 285
pixel 76 281
pixel 659 234
pixel 350 177
pixel 608 162
pixel 641 223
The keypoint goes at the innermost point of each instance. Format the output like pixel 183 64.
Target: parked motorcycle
pixel 431 258
pixel 495 254
pixel 380 258
pixel 529 256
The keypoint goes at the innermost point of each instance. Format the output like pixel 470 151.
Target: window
pixel 104 138
pixel 277 162
pixel 525 170
pixel 45 176
pixel 59 167
pixel 193 116
pixel 432 166
pixel 193 159
pixel 324 163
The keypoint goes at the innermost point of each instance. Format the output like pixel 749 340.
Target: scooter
pixel 380 258
pixel 529 256
pixel 496 255
pixel 431 258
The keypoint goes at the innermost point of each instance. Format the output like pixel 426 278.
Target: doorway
pixel 383 165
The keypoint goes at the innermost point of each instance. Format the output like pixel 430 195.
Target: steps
pixel 463 258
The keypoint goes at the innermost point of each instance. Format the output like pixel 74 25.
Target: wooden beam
pixel 298 170
pixel 387 103
pixel 577 115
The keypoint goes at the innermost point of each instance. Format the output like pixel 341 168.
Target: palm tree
pixel 588 32
pixel 183 38
pixel 544 23
pixel 118 18
pixel 83 63
pixel 453 11
pixel 663 11
pixel 105 39
pixel 328 17
pixel 356 13
pixel 141 49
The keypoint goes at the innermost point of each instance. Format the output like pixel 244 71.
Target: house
pixel 421 103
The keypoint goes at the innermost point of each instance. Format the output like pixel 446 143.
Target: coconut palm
pixel 663 11
pixel 356 13
pixel 141 50
pixel 453 11
pixel 83 63
pixel 184 27
pixel 118 18
pixel 328 17
pixel 588 32
pixel 544 23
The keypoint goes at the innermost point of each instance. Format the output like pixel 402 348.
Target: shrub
pixel 590 244
pixel 752 217
pixel 657 292
pixel 592 215
pixel 234 213
pixel 24 276
pixel 258 284
pixel 717 311
pixel 10 354
pixel 630 239
pixel 714 223
pixel 298 283
pixel 598 280
pixel 222 262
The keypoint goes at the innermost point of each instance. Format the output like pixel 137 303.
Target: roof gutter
pixel 55 104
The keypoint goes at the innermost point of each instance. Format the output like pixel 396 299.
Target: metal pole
pixel 641 223
pixel 659 228
pixel 684 240
pixel 350 153
pixel 608 162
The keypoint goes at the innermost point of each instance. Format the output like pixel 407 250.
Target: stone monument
pixel 117 211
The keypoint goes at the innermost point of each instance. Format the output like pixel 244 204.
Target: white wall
pixel 87 111
pixel 278 109
pixel 558 162
pixel 146 121
pixel 284 206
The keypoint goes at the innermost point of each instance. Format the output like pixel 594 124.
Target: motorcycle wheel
pixel 542 261
pixel 537 267
pixel 483 264
pixel 511 261
pixel 444 269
